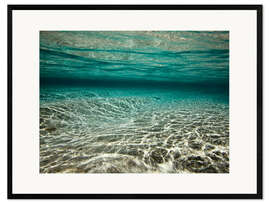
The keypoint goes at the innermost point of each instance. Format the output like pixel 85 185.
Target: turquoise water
pixel 134 102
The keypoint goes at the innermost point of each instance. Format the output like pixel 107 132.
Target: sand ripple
pixel 134 135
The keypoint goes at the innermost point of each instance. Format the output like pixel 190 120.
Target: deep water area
pixel 134 102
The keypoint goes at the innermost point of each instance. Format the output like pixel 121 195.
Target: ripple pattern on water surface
pixel 140 55
pixel 133 135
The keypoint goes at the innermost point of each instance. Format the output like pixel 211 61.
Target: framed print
pixel 135 101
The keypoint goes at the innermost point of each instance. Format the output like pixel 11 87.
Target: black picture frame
pixel 258 195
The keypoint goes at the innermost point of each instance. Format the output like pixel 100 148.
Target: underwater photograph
pixel 134 102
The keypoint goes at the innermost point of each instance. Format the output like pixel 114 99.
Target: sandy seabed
pixel 133 134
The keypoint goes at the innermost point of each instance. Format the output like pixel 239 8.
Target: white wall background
pixel 3 76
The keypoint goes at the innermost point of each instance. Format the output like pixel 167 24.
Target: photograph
pixel 153 101
pixel 107 100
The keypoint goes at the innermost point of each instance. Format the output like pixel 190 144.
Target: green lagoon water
pixel 134 102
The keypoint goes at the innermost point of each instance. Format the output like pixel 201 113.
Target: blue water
pixel 134 102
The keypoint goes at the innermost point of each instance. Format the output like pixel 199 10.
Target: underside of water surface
pixel 134 102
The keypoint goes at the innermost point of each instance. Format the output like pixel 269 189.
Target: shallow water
pixel 134 102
